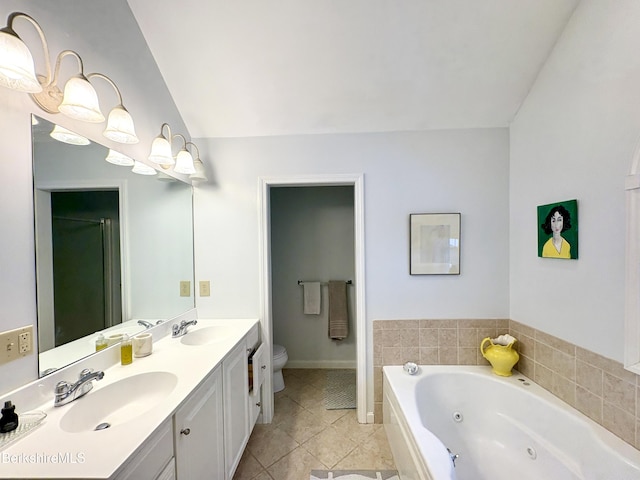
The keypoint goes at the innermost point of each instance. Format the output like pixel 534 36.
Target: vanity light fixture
pixel 67 136
pixel 198 173
pixel 120 159
pixel 17 70
pixel 143 169
pixel 161 149
pixel 80 100
pixel 120 126
pixel 162 154
pixel 184 160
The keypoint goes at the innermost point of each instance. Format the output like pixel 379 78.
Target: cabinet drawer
pixel 259 367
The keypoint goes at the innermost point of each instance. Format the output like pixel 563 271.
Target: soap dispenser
pixel 101 343
pixel 126 350
pixel 9 420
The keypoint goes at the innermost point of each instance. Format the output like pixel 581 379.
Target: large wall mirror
pixel 112 247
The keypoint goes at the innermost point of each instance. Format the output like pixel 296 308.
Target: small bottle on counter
pixel 9 420
pixel 101 343
pixel 126 350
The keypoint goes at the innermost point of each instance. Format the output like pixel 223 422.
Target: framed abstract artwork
pixel 434 244
pixel 558 230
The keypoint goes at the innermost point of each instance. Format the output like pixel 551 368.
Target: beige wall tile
pixel 619 393
pixel 556 343
pixel 468 337
pixel 409 337
pixel 448 337
pixel 589 404
pixel 429 356
pixel 448 355
pixel 428 337
pixel 521 328
pixel 619 422
pixel 589 377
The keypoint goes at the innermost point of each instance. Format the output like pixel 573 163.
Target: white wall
pixel 574 138
pixel 312 239
pixel 109 41
pixel 463 171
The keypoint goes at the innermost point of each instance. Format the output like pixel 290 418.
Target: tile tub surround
pixel 597 386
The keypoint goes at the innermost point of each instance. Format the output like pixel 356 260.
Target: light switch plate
pixel 185 288
pixel 16 344
pixel 205 288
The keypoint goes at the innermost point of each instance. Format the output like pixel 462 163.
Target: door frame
pixel 264 227
pixel 43 240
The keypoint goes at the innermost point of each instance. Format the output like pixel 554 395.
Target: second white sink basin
pixel 118 402
pixel 207 335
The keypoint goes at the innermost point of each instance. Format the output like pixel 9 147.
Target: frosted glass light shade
pixel 67 136
pixel 118 158
pixel 143 169
pixel 16 64
pixel 161 151
pixel 80 101
pixel 120 126
pixel 184 163
pixel 199 175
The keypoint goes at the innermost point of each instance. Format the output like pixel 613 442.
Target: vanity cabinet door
pixel 236 414
pixel 198 432
pixel 154 457
pixel 255 395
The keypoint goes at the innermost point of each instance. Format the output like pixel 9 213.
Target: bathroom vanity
pixel 186 411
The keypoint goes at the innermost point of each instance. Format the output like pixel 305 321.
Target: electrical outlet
pixel 205 288
pixel 185 288
pixel 16 343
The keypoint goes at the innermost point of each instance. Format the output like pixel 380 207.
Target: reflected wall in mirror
pixel 111 247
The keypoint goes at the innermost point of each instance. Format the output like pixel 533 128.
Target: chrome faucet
pixel 146 324
pixel 178 330
pixel 66 392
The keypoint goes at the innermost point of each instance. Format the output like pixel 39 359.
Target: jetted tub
pixel 500 428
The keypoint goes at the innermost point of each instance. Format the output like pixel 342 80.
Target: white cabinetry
pixel 154 459
pixel 255 394
pixel 236 414
pixel 198 432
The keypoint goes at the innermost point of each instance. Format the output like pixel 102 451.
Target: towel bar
pixel 300 282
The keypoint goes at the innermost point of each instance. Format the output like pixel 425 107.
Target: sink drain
pixel 103 426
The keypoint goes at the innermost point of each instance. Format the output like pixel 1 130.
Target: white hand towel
pixel 311 298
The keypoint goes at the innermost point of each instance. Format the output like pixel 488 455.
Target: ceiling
pixel 238 68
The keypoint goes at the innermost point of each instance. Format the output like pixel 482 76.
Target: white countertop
pixel 50 452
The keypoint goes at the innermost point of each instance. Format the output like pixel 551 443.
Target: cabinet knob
pixel 185 431
pixel 264 367
pixel 258 404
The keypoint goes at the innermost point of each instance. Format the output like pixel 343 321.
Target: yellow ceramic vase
pixel 501 357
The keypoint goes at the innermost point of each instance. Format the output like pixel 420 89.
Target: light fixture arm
pixel 196 147
pixel 56 70
pixel 45 46
pixel 184 140
pixel 162 130
pixel 104 77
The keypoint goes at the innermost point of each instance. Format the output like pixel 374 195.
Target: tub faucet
pixel 453 457
pixel 145 324
pixel 178 330
pixel 67 393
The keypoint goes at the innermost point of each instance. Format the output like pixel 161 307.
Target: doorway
pixel 356 290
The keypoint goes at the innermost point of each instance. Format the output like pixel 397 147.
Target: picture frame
pixel 434 244
pixel 558 230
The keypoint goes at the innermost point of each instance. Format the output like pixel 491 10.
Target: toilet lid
pixel 278 350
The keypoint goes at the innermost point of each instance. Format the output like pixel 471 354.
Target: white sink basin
pixel 207 335
pixel 118 402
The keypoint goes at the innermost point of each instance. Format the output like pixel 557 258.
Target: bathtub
pixel 499 427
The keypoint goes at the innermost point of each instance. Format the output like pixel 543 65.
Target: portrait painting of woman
pixel 558 230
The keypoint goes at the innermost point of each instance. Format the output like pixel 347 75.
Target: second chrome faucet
pixel 179 329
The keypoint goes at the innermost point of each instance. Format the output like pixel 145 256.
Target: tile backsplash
pixel 597 386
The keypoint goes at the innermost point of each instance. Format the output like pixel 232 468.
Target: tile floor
pixel 305 436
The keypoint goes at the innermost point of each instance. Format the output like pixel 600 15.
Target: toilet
pixel 279 361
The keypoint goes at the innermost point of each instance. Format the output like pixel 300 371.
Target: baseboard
pixel 321 364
